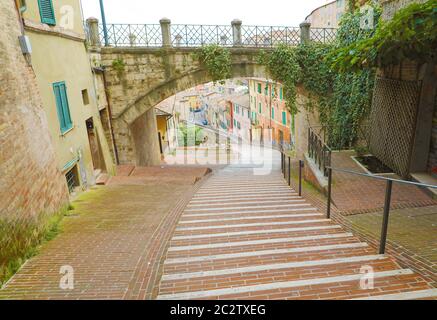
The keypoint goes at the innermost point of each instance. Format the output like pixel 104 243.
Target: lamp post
pixel 105 29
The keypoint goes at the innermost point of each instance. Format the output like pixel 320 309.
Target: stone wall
pixel 391 6
pixel 30 181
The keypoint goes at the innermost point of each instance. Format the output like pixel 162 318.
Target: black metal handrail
pixel 318 150
pixel 387 202
pixel 284 170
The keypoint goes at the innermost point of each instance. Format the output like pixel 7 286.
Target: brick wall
pixel 30 182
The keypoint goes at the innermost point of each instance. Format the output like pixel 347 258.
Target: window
pixel 284 118
pixel 260 107
pixel 266 90
pixel 62 107
pixel 235 123
pixel 72 178
pixel 259 87
pixel 273 113
pixel 281 93
pixel 238 125
pixel 85 97
pixel 47 12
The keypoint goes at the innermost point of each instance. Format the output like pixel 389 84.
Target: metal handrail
pixel 418 184
pixel 387 202
pixel 318 150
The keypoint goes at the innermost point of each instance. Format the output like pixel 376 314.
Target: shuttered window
pixel 62 106
pixel 284 118
pixel 47 12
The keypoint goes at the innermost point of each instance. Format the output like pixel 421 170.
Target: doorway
pixel 95 147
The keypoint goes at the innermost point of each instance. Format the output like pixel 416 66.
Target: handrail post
pixel 165 32
pixel 289 171
pixel 301 165
pixel 385 218
pixel 284 166
pixel 328 210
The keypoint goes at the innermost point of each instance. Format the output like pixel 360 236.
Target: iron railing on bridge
pixel 187 35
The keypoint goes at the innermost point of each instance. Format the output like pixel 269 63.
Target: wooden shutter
pixel 47 12
pixel 284 118
pixel 62 106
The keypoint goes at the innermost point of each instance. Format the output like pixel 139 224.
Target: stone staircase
pixel 252 237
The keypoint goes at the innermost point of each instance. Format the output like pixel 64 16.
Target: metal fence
pixel 323 35
pixel 125 35
pixel 186 35
pixel 256 36
pixel 183 35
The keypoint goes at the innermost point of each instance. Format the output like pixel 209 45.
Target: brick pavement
pixel 354 194
pixel 113 239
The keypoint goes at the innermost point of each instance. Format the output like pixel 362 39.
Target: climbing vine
pixel 283 66
pixel 411 34
pixel 217 61
pixel 342 99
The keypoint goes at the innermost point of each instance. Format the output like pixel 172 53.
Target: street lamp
pixel 105 29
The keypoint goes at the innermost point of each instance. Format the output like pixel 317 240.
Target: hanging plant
pixel 282 65
pixel 411 34
pixel 217 61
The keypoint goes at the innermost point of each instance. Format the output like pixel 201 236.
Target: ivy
pixel 342 99
pixel 411 34
pixel 283 66
pixel 217 61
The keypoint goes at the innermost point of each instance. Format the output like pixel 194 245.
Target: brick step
pixel 251 237
pixel 103 179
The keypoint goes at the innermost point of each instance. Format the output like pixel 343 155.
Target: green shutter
pixel 260 108
pixel 47 12
pixel 284 118
pixel 281 93
pixel 273 113
pixel 62 106
pixel 259 87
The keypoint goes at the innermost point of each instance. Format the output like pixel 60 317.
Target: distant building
pixel 241 124
pixel 328 15
pixel 268 111
pixel 166 132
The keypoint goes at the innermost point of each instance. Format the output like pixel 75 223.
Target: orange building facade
pixel 268 111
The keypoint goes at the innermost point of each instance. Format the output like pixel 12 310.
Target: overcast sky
pixel 251 12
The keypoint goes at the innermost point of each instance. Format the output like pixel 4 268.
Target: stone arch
pixel 170 87
pixel 148 77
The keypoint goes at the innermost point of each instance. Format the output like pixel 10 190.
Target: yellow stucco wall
pixel 64 10
pixel 54 59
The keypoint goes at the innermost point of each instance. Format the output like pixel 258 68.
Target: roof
pixel 242 100
pixel 320 7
